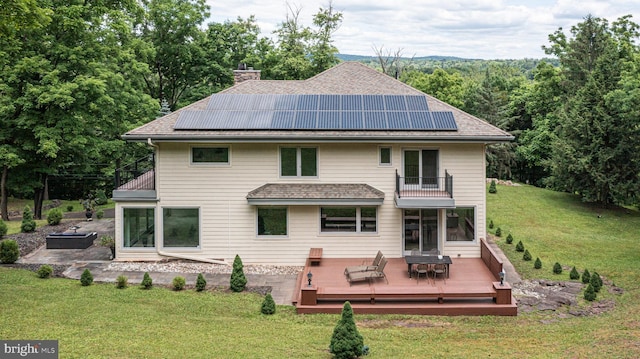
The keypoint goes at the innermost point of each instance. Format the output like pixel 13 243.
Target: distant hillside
pixel 347 57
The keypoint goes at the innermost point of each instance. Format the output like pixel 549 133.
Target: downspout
pixel 174 255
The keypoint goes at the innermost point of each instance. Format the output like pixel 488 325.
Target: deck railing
pixel 424 186
pixel 138 175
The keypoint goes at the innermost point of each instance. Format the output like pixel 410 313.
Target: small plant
pixel 3 228
pixel 45 271
pixel 346 341
pixel 527 256
pixel 596 282
pixel 574 274
pixel 492 187
pixel 122 282
pixel 498 232
pixel 268 305
pixel 9 251
pixel 28 224
pixel 107 241
pixel 586 277
pixel 179 283
pixel 86 278
pixel 201 283
pixel 238 280
pixel 519 247
pixel 537 264
pixel 509 238
pixel 491 224
pixel 100 198
pixel 70 208
pixel 557 268
pixel 146 283
pixel 54 216
pixel 100 213
pixel 590 293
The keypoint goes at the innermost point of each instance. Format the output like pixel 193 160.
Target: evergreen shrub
pixel 586 277
pixel 147 282
pixel 3 228
pixel 498 232
pixel 492 187
pixel 86 278
pixel 100 213
pixel 54 216
pixel 45 271
pixel 268 305
pixel 574 274
pixel 9 251
pixel 28 224
pixel 537 264
pixel 70 208
pixel 590 293
pixel 238 280
pixel 201 283
pixel 509 238
pixel 491 224
pixel 596 282
pixel 346 341
pixel 519 247
pixel 122 282
pixel 527 255
pixel 179 283
pixel 557 268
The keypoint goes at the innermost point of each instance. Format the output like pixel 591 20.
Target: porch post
pixel 309 295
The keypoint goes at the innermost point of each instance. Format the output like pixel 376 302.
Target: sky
pixel 475 29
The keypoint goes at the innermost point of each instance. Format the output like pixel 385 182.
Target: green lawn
pixel 103 322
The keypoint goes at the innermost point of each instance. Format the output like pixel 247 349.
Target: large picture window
pixel 461 224
pixel 272 221
pixel 138 227
pixel 213 155
pixel 348 219
pixel 181 227
pixel 298 162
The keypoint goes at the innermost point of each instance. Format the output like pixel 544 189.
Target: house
pixel 351 160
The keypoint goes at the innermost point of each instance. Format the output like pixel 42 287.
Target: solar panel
pixel 352 120
pixel 307 103
pixel 394 103
pixel 417 103
pixel 351 102
pixel 421 120
pixel 329 102
pixel 329 120
pixel 375 120
pixel 398 120
pixel 444 120
pixel 373 102
pixel 305 120
pixel 282 120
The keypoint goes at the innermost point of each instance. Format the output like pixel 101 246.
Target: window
pixel 298 162
pixel 181 227
pixel 138 227
pixel 461 224
pixel 385 156
pixel 218 155
pixel 348 219
pixel 272 221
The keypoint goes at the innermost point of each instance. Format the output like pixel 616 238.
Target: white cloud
pixel 487 29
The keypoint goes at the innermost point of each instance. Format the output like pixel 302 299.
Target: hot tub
pixel 70 240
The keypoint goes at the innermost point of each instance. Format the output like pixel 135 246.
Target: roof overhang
pixel 315 194
pixel 424 202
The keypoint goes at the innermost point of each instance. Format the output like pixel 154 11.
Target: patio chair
pixel 364 268
pixel 440 269
pixel 422 269
pixel 370 274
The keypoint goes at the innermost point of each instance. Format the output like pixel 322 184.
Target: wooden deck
pixel 471 289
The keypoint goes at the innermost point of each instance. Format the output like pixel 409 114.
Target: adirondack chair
pixel 364 268
pixel 370 274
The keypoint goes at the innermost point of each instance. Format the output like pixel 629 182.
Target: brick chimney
pixel 244 73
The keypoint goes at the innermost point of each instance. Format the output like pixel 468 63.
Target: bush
pixel 346 341
pixel 179 283
pixel 519 247
pixel 54 216
pixel 238 280
pixel 201 283
pixel 268 305
pixel 537 264
pixel 100 198
pixel 3 228
pixel 28 224
pixel 9 251
pixel 70 208
pixel 586 277
pixel 589 293
pixel 492 187
pixel 574 274
pixel 491 224
pixel 596 282
pixel 122 282
pixel 557 268
pixel 146 283
pixel 527 255
pixel 45 271
pixel 99 214
pixel 86 278
pixel 509 238
pixel 498 232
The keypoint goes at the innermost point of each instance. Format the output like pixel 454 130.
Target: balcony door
pixel 420 230
pixel 421 168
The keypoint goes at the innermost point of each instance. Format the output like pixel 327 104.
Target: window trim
pixel 161 220
pixel 217 164
pixel 272 236
pixel 299 162
pixel 380 163
pixel 358 223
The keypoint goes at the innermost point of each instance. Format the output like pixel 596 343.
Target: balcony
pixel 424 192
pixel 136 181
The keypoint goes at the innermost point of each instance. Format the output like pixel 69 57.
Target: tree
pixel 268 305
pixel 292 52
pixel 445 86
pixel 238 280
pixel 323 52
pixel 346 341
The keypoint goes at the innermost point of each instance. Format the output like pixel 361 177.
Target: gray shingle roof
pixel 345 78
pixel 315 193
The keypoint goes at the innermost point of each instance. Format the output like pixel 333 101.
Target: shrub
pixel 86 278
pixel 537 264
pixel 557 268
pixel 574 274
pixel 586 276
pixel 509 238
pixel 107 241
pixel 45 271
pixel 590 293
pixel 596 282
pixel 122 282
pixel 238 280
pixel 99 213
pixel 519 247
pixel 9 251
pixel 491 224
pixel 54 216
pixel 268 305
pixel 3 228
pixel 498 232
pixel 346 341
pixel 146 283
pixel 100 198
pixel 70 208
pixel 527 256
pixel 201 283
pixel 492 187
pixel 28 224
pixel 179 283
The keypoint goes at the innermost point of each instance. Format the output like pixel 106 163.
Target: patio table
pixel 446 260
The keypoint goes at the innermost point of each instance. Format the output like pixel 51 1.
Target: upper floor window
pixel 215 155
pixel 298 162
pixel 385 156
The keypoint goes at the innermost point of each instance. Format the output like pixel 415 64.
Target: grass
pixel 101 321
